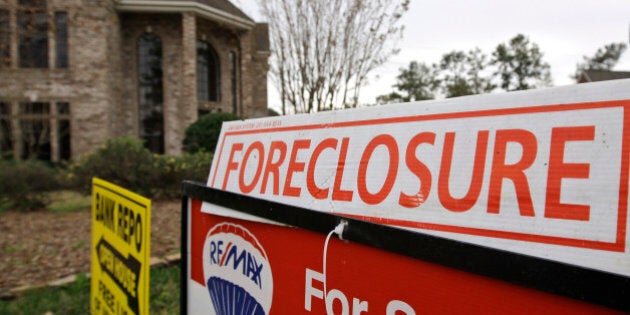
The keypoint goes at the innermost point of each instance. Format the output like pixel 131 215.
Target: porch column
pixel 188 84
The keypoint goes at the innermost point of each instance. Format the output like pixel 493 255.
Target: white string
pixel 339 231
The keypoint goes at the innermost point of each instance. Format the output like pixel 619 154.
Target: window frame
pixel 5 38
pixel 61 40
pixel 50 122
pixel 32 34
pixel 150 103
pixel 208 72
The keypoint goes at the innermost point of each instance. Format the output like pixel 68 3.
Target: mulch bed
pixel 39 247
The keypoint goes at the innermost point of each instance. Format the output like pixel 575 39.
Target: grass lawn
pixel 68 201
pixel 75 298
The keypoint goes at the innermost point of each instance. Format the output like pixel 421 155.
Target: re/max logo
pixel 240 260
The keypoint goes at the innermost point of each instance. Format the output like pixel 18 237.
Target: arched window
pixel 150 92
pixel 208 73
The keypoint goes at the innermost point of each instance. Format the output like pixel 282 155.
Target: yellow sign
pixel 121 234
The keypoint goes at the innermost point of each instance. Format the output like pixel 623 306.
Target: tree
pixel 415 83
pixel 520 65
pixel 604 59
pixel 324 49
pixel 391 98
pixel 458 73
pixel 461 73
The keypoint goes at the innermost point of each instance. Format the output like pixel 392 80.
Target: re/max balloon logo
pixel 236 271
pixel 241 260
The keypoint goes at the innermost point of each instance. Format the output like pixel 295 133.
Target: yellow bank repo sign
pixel 121 235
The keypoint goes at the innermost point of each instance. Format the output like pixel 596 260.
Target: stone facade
pixel 100 85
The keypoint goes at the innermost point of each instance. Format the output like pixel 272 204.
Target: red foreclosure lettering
pixel 317 192
pixel 232 166
pixel 419 169
pixel 470 199
pixel 339 194
pixel 392 147
pixel 253 164
pixel 273 168
pixel 558 170
pixel 247 188
pixel 514 172
pixel 295 167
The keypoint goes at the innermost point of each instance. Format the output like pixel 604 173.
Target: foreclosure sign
pixel 543 173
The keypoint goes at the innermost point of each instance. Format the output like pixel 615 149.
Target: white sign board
pixel 543 172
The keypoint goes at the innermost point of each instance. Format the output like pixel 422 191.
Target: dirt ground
pixel 38 247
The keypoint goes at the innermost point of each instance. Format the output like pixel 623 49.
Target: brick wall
pixel 86 84
pixel 101 83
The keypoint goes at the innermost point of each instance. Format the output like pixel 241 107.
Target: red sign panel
pixel 276 269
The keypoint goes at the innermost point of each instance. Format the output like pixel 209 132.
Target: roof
pixel 217 10
pixel 602 75
pixel 226 6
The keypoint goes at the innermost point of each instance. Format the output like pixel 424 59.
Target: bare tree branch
pixel 323 50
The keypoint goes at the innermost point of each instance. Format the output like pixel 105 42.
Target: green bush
pixel 122 161
pixel 23 184
pixel 125 162
pixel 172 170
pixel 203 134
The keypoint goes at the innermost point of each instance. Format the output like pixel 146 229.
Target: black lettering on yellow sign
pixel 125 223
pixel 124 271
pixel 105 211
pixel 106 295
pixel 130 226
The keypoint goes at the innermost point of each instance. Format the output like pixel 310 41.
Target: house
pixel 74 73
pixel 602 75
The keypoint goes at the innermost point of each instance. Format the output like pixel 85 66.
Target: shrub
pixel 122 161
pixel 23 184
pixel 172 170
pixel 125 162
pixel 203 134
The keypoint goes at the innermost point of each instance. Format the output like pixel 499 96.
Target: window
pixel 61 39
pixel 32 34
pixel 6 142
pixel 208 73
pixel 150 92
pixel 233 90
pixel 63 131
pixel 35 130
pixel 35 23
pixel 5 40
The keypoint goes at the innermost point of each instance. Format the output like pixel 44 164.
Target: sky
pixel 564 30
